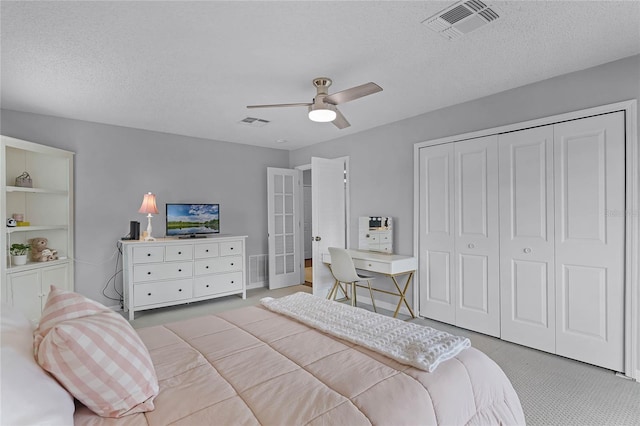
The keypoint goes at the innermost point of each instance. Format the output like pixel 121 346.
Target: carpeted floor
pixel 553 390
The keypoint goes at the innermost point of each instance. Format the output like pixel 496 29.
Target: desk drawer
pixel 371 265
pixel 206 250
pixel 161 292
pixel 148 254
pixel 182 252
pixel 218 283
pixel 162 271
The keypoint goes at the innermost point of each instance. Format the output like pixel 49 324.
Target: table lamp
pixel 149 206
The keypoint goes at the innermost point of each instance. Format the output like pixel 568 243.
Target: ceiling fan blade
pixel 278 105
pixel 340 122
pixel 353 93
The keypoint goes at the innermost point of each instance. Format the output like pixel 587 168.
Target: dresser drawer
pixel 229 248
pixel 181 252
pixel 161 292
pixel 218 264
pixel 206 250
pixel 162 271
pixel 148 254
pixel 218 283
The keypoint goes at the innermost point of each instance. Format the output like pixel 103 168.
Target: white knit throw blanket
pixel 411 344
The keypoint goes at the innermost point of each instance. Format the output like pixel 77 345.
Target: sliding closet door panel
pixel 590 181
pixel 526 238
pixel 476 235
pixel 437 290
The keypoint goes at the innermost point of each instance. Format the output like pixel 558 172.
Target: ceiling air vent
pixel 461 18
pixel 254 122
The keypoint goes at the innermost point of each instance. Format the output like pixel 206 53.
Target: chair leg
pixel 334 291
pixel 354 302
pixel 343 290
pixel 372 299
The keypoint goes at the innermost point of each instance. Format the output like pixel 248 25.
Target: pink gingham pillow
pixel 95 354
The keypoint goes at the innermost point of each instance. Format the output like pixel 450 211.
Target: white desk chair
pixel 344 271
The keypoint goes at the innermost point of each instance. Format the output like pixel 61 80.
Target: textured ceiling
pixel 190 68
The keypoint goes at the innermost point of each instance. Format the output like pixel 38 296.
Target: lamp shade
pixel 149 204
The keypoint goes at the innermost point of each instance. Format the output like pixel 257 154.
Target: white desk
pixel 391 265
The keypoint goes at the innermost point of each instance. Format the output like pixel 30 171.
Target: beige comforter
pixel 252 366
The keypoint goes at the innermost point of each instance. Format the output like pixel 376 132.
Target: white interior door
pixel 436 239
pixel 283 193
pixel 527 275
pixel 328 216
pixel 476 235
pixel 589 233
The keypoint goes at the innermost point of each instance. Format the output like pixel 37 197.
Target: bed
pixel 254 366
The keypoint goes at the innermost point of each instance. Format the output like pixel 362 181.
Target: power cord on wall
pixel 117 254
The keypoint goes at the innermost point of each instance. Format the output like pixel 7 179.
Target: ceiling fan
pixel 323 108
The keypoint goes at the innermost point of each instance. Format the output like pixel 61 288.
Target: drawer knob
pixel 207 251
pixel 148 254
pixel 179 252
pixel 231 248
pixel 179 270
pixel 149 273
pixel 207 286
pixel 231 282
pixel 148 294
pixel 206 267
pixel 471 245
pixel 231 264
pixel 179 289
pixel 527 250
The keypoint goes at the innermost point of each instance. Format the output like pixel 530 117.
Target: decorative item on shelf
pixel 149 207
pixel 19 217
pixel 11 222
pixel 23 223
pixel 40 252
pixel 18 253
pixel 24 180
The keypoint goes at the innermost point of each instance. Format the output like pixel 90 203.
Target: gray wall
pixel 115 166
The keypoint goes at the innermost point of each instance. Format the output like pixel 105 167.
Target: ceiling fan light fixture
pixel 322 113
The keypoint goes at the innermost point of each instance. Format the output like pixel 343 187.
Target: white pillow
pixel 29 394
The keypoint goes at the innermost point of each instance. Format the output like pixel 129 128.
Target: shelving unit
pixel 48 207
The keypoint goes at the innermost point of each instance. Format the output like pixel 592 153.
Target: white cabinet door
pixel 526 238
pixel 476 235
pixel 26 294
pixel 589 236
pixel 436 238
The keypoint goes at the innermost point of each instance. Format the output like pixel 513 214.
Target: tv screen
pixel 187 220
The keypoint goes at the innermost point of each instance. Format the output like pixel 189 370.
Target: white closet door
pixel 589 194
pixel 476 235
pixel 436 239
pixel 527 238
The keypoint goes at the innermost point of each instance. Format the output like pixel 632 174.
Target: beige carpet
pixel 553 390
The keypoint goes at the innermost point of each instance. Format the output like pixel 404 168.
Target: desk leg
pixel 402 294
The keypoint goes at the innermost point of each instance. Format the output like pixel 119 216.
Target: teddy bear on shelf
pixel 40 252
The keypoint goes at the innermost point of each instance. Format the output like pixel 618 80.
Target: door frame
pixel 347 204
pixel 632 211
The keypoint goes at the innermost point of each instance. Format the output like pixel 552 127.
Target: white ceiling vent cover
pixel 461 18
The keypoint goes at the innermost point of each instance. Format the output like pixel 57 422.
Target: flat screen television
pixel 192 220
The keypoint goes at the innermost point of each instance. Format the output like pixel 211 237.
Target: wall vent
pixel 258 270
pixel 254 122
pixel 461 18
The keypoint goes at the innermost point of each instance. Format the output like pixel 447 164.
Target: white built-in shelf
pixel 36 190
pixel 35 228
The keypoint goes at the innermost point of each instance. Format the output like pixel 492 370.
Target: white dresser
pixel 169 272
